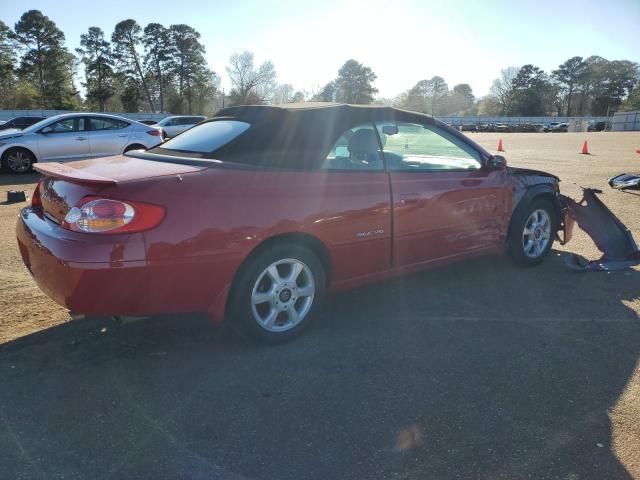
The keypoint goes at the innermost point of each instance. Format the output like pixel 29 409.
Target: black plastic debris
pixel 14 196
pixel 625 181
pixel 609 234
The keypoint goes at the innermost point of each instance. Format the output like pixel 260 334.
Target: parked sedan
pixel 172 126
pixel 20 123
pixel 74 136
pixel 253 215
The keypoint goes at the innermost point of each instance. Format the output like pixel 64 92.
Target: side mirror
pixel 497 162
pixel 46 130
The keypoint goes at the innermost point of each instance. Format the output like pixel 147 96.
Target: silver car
pixel 172 126
pixel 74 136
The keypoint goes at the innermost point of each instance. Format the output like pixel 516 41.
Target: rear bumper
pixel 110 275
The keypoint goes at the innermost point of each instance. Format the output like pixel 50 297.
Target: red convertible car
pixel 254 214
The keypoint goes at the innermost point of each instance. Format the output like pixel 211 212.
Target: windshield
pixel 207 137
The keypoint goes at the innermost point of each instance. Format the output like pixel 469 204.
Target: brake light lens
pixel 106 215
pixel 36 199
pixel 155 133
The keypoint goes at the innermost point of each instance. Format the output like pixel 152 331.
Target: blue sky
pixel 403 41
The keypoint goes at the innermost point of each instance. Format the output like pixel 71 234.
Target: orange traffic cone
pixel 585 149
pixel 500 149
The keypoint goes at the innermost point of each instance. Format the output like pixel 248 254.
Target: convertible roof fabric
pixel 300 135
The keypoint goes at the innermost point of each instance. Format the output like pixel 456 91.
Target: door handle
pixel 81 138
pixel 123 136
pixel 406 198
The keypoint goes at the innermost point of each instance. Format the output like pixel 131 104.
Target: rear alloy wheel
pixel 532 232
pixel 18 160
pixel 277 292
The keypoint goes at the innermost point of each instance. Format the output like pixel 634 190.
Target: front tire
pixel 277 293
pixel 18 160
pixel 532 232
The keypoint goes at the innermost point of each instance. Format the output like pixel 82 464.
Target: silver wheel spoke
pixel 306 291
pixel 261 297
pixel 272 271
pixel 294 316
pixel 270 319
pixel 296 268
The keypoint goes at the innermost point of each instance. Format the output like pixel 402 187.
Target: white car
pixel 172 126
pixel 74 136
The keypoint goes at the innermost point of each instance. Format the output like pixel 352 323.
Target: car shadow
pixel 477 370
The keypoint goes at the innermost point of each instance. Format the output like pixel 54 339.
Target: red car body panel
pixel 368 226
pixel 187 265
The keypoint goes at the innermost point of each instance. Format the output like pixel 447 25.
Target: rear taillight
pixel 155 133
pixel 36 200
pixel 106 215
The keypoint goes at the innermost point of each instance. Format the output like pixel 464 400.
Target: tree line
pixel 159 68
pixel 592 86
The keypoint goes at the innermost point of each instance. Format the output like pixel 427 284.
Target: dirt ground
pixel 25 310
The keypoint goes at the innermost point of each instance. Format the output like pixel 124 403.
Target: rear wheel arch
pixel 134 146
pixel 305 240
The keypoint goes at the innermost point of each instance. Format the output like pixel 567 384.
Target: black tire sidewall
pixel 241 315
pixel 5 164
pixel 522 214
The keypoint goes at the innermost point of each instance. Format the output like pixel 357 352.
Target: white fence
pixel 518 120
pixel 626 122
pixel 7 114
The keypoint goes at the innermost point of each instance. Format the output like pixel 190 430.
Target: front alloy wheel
pixel 532 232
pixel 536 234
pixel 18 161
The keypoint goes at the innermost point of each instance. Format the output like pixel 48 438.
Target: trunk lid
pixel 112 170
pixel 64 185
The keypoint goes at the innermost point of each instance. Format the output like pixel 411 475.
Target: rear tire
pixel 18 160
pixel 276 293
pixel 532 232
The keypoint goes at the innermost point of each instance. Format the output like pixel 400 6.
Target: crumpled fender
pixel 609 234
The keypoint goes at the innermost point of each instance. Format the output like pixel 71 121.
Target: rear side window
pixel 107 124
pixel 207 137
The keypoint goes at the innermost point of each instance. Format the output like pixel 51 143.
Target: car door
pixel 66 139
pixel 108 136
pixel 356 221
pixel 445 203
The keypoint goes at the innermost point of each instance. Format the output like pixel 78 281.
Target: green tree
pixel 632 102
pixel 326 93
pixel 159 52
pixel 189 64
pixel 7 62
pixel 354 83
pixel 96 55
pixel 127 39
pixel 568 75
pixel 530 91
pixel 615 83
pixel 251 84
pixel 45 61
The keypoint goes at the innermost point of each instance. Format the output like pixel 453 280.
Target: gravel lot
pixel 477 370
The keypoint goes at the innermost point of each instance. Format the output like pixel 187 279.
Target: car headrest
pixel 363 141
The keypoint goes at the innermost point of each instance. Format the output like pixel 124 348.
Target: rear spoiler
pixel 64 172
